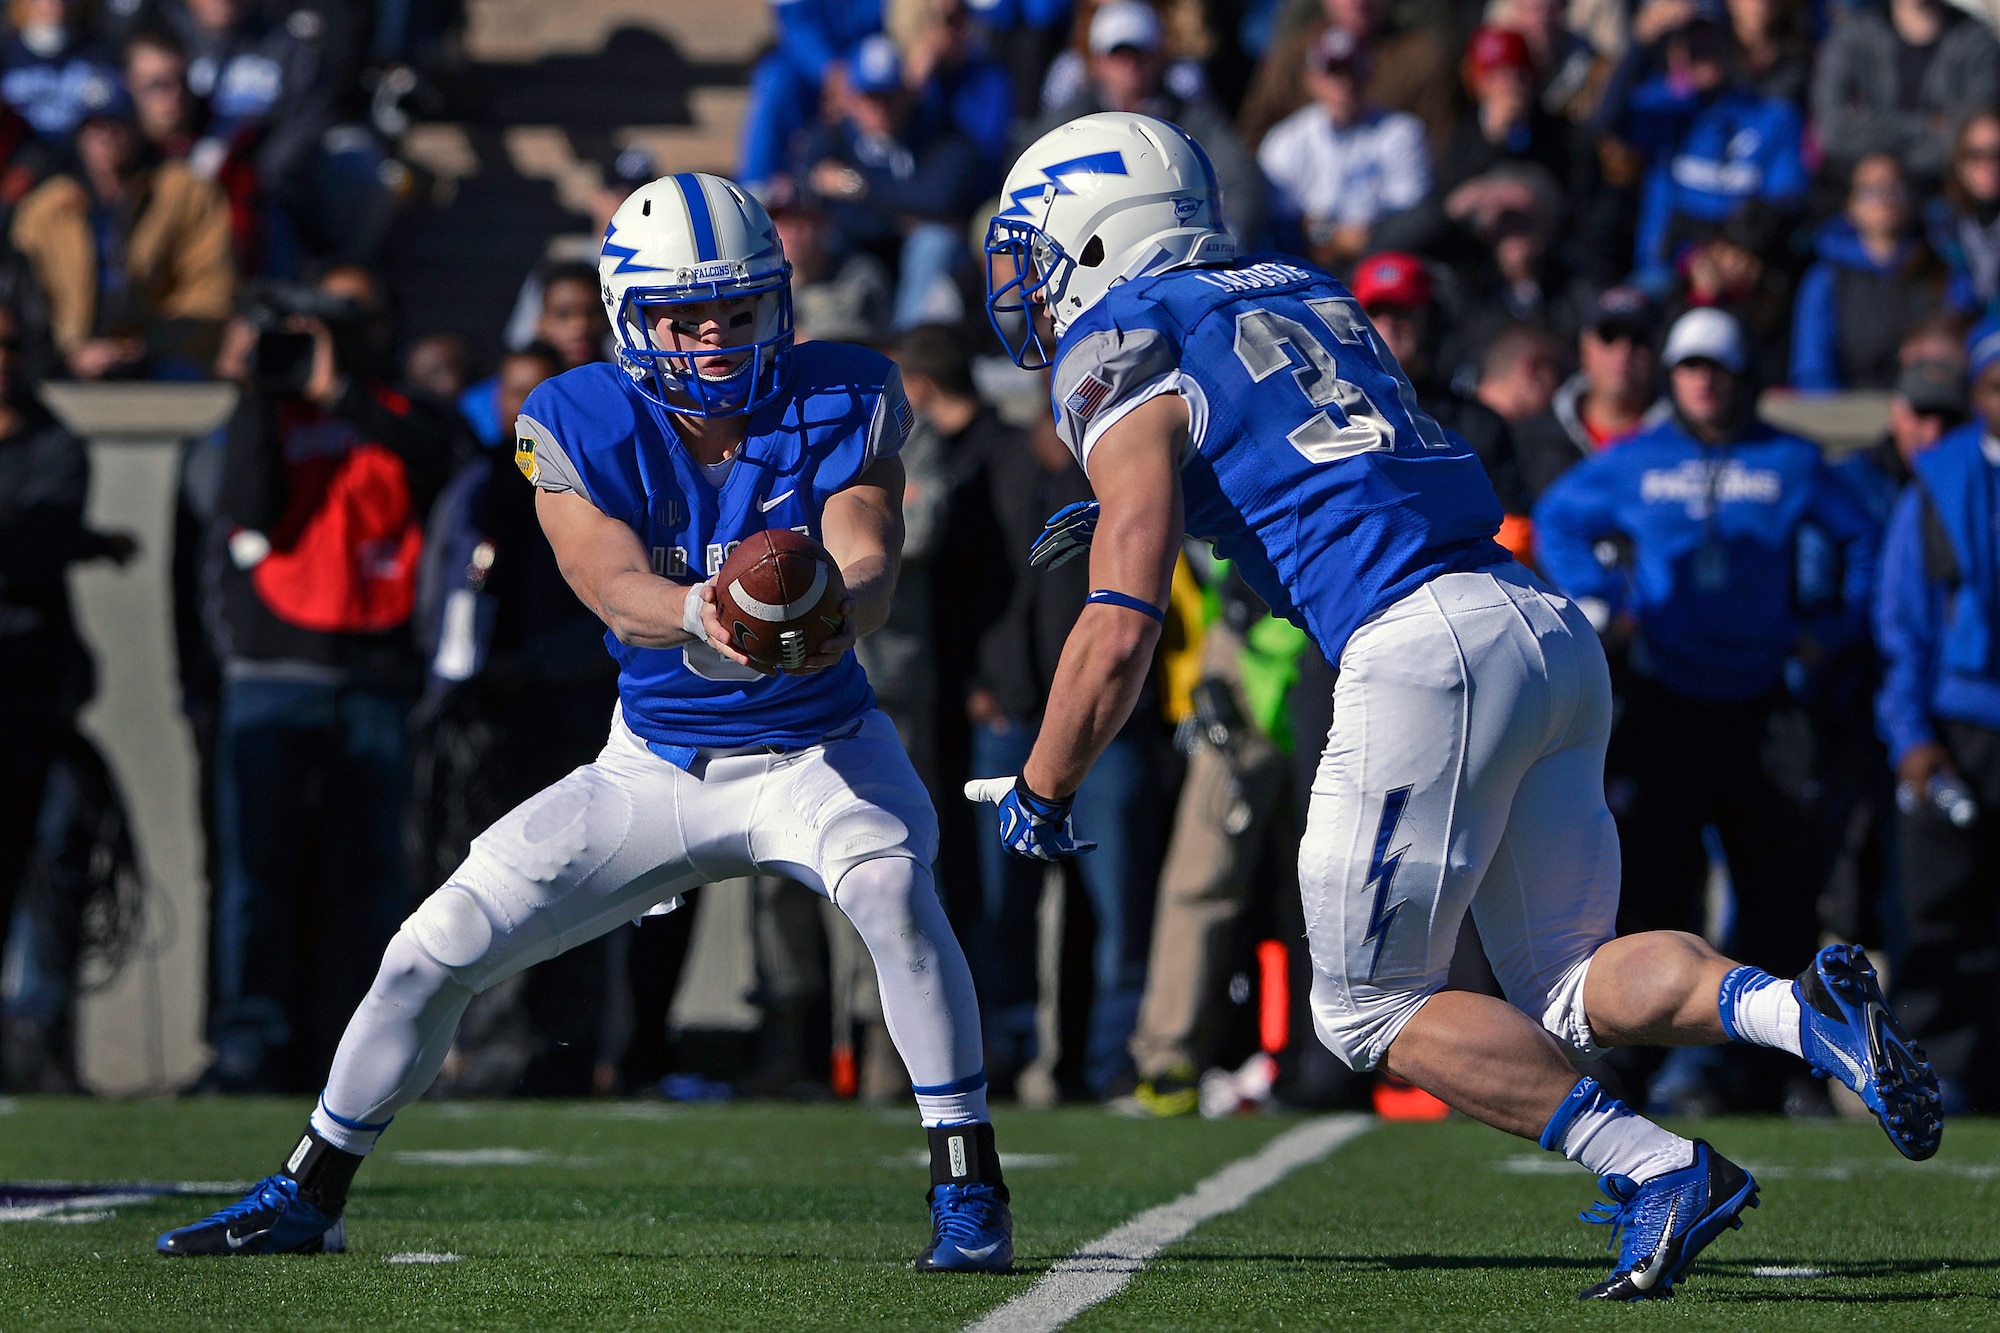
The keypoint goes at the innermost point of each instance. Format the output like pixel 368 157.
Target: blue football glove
pixel 1065 536
pixel 1030 825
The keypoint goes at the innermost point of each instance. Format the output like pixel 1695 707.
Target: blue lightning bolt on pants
pixel 1464 771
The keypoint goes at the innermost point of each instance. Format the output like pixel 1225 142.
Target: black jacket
pixel 44 482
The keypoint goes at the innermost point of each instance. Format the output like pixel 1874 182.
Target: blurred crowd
pixel 1594 235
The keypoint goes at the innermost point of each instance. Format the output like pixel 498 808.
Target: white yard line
pixel 1102 1268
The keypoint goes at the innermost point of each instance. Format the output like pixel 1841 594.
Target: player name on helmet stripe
pixel 1102 1268
pixel 783 611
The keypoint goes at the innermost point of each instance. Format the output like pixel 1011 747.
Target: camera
pixel 282 360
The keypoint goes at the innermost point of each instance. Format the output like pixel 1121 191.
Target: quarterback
pixel 1250 402
pixel 710 427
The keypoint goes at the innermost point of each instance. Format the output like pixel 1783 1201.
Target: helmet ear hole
pixel 646 209
pixel 1093 253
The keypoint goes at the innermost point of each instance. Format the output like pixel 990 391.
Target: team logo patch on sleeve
pixel 524 457
pixel 1087 397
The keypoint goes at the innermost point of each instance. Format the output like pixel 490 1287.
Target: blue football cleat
pixel 1848 1032
pixel 270 1219
pixel 1667 1221
pixel 971 1231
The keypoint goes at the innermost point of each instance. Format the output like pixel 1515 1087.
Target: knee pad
pixel 1360 1028
pixel 880 892
pixel 410 974
pixel 868 833
pixel 451 928
pixel 1563 1015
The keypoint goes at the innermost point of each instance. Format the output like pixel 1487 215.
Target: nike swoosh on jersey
pixel 1644 1278
pixel 776 500
pixel 236 1242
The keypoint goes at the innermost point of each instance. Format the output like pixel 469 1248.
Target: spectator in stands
pixel 324 493
pixel 1875 279
pixel 898 184
pixel 1119 804
pixel 1338 165
pixel 1613 395
pixel 1712 506
pixel 1068 75
pixel 1928 404
pixel 1510 269
pixel 1412 69
pixel 1745 266
pixel 1900 82
pixel 1572 48
pixel 1935 622
pixel 955 81
pixel 1708 142
pixel 1128 67
pixel 1396 292
pixel 440 365
pixel 1506 123
pixel 1962 222
pixel 788 86
pixel 50 71
pixel 156 77
pixel 1519 374
pixel 132 252
pixel 572 324
pixel 272 101
pixel 837 295
pixel 45 670
pixel 1773 46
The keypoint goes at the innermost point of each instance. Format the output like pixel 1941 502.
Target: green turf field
pixel 639 1215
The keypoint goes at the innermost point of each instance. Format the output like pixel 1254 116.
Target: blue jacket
pixel 1936 617
pixel 1851 311
pixel 1737 551
pixel 1704 156
pixel 977 98
pixel 812 34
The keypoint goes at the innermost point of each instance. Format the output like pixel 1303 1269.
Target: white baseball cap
pixel 1124 23
pixel 1706 334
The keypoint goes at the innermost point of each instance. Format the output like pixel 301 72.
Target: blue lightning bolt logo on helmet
pixel 693 239
pixel 1093 203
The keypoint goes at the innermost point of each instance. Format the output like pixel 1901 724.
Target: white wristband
pixel 691 619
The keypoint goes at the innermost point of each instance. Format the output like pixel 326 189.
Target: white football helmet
pixel 687 238
pixel 1101 200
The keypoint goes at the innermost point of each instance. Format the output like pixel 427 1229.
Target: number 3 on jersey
pixel 1268 342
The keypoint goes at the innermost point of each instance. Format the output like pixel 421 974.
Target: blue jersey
pixel 591 431
pixel 1310 464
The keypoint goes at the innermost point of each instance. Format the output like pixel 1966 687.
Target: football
pixel 779 593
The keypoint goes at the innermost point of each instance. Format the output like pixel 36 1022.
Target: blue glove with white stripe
pixel 1065 536
pixel 1030 825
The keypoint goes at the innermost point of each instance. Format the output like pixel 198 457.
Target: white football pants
pixel 1465 769
pixel 848 818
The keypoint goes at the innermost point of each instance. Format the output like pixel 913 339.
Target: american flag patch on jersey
pixel 906 419
pixel 1087 397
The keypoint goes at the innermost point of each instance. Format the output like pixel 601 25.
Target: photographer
pixel 327 479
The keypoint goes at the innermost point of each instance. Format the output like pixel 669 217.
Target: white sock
pixel 1761 1010
pixel 927 996
pixel 1596 1130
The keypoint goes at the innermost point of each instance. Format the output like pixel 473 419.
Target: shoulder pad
pixel 1101 371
